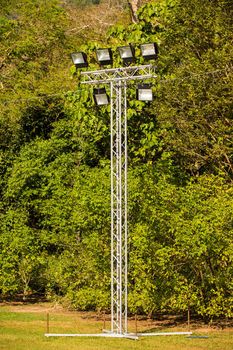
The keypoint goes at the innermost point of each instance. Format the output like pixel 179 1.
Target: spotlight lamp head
pixel 79 59
pixel 127 54
pixel 104 56
pixel 100 97
pixel 144 92
pixel 149 51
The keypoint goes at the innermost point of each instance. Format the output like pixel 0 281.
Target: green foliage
pixel 192 112
pixel 182 255
pixel 55 168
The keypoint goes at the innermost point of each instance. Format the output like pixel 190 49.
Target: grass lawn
pixel 22 327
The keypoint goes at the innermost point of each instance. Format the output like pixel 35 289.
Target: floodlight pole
pixel 117 79
pixel 118 207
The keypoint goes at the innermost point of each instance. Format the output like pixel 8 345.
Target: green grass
pixel 23 329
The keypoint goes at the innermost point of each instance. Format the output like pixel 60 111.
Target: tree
pixel 55 183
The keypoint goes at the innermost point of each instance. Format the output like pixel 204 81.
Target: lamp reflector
pixel 144 92
pixel 79 59
pixel 149 51
pixel 100 97
pixel 104 56
pixel 127 53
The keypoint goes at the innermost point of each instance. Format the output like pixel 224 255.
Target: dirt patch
pixel 141 323
pixel 27 307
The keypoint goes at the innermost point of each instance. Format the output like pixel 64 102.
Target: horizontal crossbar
pixel 119 74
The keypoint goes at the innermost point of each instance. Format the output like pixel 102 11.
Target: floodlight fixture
pixel 100 97
pixel 149 51
pixel 127 54
pixel 79 59
pixel 144 92
pixel 104 56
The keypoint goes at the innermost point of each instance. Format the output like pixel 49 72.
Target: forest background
pixel 55 150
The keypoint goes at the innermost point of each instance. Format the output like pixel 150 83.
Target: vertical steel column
pixel 118 207
pixel 125 247
pixel 118 78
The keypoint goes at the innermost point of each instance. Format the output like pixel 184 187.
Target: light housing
pixel 144 92
pixel 79 59
pixel 104 56
pixel 127 54
pixel 149 51
pixel 100 97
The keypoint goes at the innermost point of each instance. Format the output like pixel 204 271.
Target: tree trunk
pixel 134 6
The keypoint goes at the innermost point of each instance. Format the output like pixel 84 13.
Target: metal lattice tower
pixel 117 79
pixel 118 207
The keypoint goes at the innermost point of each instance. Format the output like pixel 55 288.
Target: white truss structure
pixel 104 76
pixel 117 78
pixel 118 208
